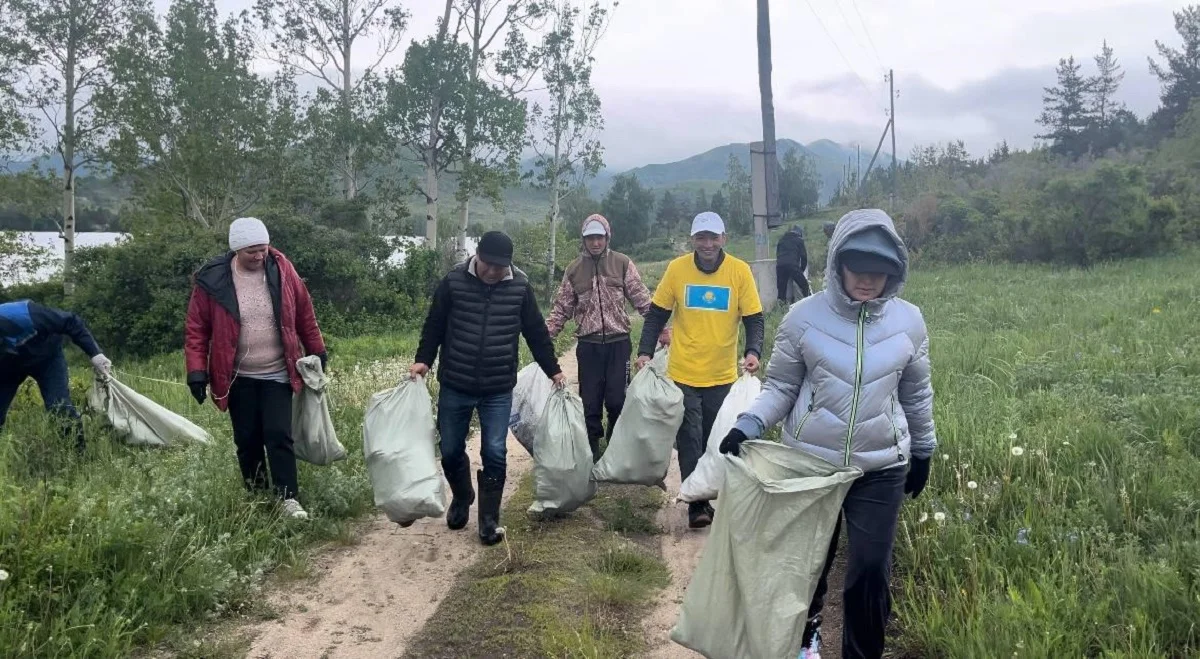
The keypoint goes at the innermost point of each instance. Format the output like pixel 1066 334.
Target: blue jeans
pixel 53 380
pixel 454 422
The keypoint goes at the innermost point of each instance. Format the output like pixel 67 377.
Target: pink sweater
pixel 260 348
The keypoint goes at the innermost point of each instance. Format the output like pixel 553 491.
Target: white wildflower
pixel 1018 451
pixel 971 485
pixel 939 517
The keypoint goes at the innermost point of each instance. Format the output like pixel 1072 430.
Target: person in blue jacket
pixel 31 347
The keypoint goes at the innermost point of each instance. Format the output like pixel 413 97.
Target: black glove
pixel 918 475
pixel 732 444
pixel 324 357
pixel 197 381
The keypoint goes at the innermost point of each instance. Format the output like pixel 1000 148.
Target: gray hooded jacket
pixel 840 364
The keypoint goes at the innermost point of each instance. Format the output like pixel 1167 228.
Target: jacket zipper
pixel 596 283
pixel 487 312
pixel 895 431
pixel 858 362
pixel 808 413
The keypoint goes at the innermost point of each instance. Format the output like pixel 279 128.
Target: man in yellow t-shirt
pixel 710 293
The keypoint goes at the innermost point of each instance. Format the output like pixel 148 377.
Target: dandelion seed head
pixel 924 518
pixel 945 457
pixel 939 517
pixel 971 485
pixel 1018 451
pixel 3 575
pixel 1012 436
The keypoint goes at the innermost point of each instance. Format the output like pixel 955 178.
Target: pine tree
pixel 1180 73
pixel 1065 111
pixel 1102 101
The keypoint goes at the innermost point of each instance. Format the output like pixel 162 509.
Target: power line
pixel 849 25
pixel 838 48
pixel 868 33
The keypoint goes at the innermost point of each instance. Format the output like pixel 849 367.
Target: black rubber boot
pixel 491 491
pixel 464 496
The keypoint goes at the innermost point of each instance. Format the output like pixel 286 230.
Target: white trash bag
pixel 315 439
pixel 398 442
pixel 639 452
pixel 705 481
pixel 528 401
pixel 562 471
pixel 140 420
pixel 750 593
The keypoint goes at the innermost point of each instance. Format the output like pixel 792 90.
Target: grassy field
pixel 1062 517
pixel 126 547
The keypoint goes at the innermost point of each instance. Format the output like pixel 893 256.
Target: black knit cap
pixel 495 248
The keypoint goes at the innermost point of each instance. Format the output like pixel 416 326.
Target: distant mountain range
pixel 710 167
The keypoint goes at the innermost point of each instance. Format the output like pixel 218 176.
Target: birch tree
pixel 323 39
pixel 201 135
pixel 565 127
pixel 491 158
pixel 66 43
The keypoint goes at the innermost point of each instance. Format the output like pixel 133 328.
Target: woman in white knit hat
pixel 249 320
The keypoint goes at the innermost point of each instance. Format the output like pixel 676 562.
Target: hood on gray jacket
pixel 853 223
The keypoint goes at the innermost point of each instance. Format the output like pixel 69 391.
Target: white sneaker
pixel 292 508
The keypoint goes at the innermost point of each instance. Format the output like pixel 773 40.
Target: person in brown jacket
pixel 593 292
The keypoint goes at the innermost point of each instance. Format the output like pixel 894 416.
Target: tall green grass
pixel 122 547
pixel 1062 518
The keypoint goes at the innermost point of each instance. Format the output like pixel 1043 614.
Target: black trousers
pixel 871 512
pixel 603 378
pixel 700 407
pixel 261 412
pixel 785 274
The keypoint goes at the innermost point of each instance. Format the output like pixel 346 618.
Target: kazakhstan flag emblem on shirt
pixel 707 298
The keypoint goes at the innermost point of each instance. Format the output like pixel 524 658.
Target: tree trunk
pixel 349 178
pixel 430 151
pixel 67 151
pixel 476 48
pixel 431 192
pixel 555 196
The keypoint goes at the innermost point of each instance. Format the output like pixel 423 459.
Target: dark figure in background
pixel 791 264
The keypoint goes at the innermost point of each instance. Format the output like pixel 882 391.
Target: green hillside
pixel 710 166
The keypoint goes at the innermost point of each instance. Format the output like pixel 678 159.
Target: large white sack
pixel 141 421
pixel 528 402
pixel 639 451
pixel 313 435
pixel 398 442
pixel 705 481
pixel 750 594
pixel 562 458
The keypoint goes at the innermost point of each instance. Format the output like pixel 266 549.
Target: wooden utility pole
pixel 892 123
pixel 761 224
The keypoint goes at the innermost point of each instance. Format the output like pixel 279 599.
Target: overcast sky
pixel 680 76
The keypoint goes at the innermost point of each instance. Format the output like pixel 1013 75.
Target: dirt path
pixel 681 549
pixel 370 599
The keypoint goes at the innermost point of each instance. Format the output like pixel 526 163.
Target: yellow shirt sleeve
pixel 748 300
pixel 664 295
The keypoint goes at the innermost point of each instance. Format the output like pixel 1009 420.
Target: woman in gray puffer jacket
pixel 849 378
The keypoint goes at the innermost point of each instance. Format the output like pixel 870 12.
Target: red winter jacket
pixel 211 336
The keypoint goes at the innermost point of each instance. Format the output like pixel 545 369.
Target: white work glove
pixel 103 365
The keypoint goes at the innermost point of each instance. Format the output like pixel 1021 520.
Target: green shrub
pixel 134 295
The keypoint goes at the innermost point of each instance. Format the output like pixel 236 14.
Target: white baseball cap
pixel 708 221
pixel 595 228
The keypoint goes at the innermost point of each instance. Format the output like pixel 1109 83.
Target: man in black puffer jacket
pixel 479 312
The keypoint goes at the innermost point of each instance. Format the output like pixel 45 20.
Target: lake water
pixel 52 242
